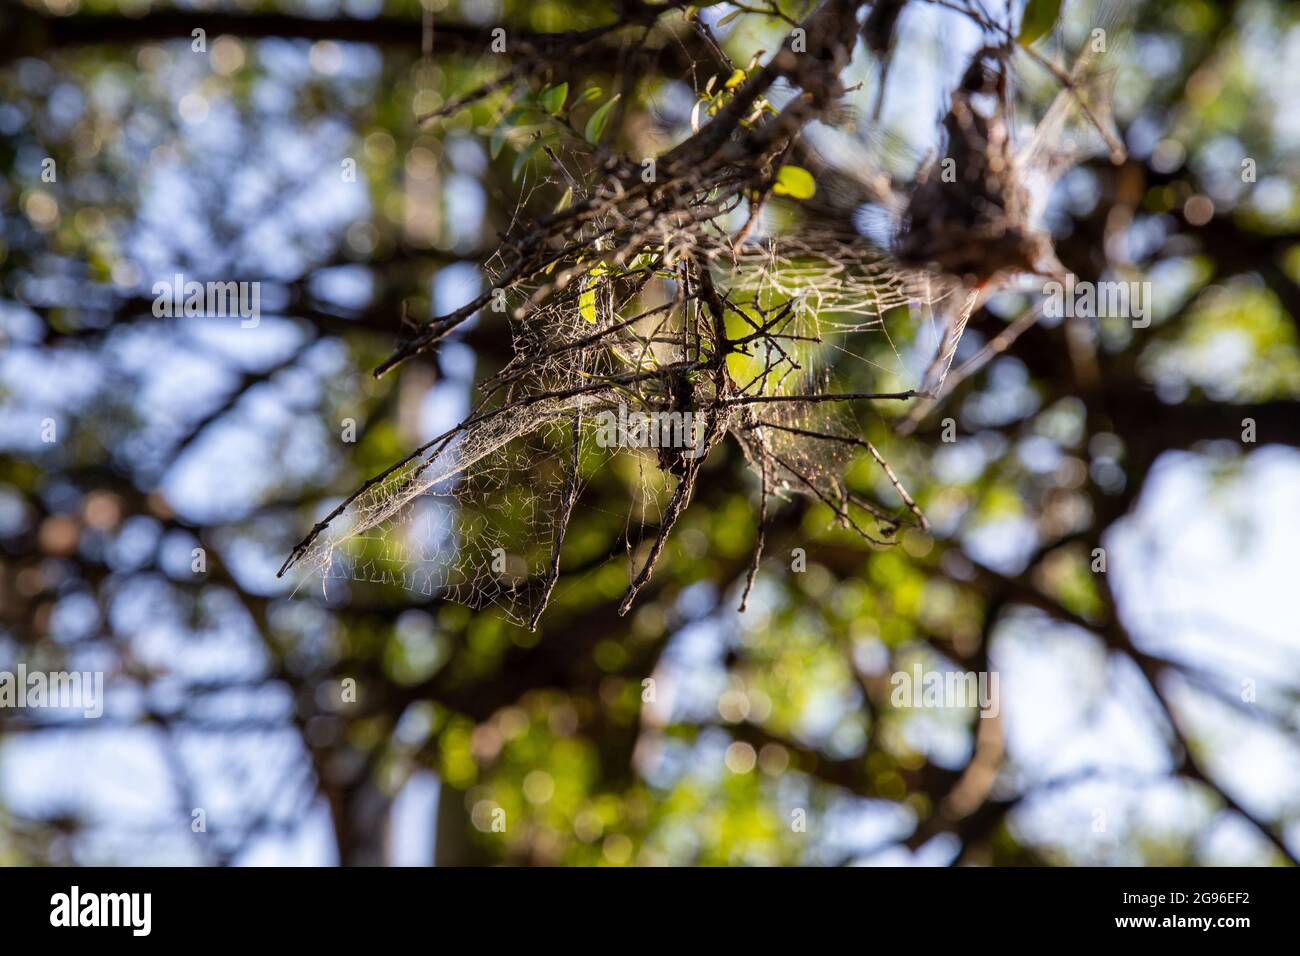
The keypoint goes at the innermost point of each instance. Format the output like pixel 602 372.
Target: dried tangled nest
pixel 635 296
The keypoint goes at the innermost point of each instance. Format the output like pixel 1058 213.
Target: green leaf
pixel 524 156
pixel 728 18
pixel 553 99
pixel 503 130
pixel 587 300
pixel 1040 16
pixel 498 140
pixel 736 79
pixel 565 202
pixel 795 182
pixel 596 124
pixel 587 305
pixel 586 96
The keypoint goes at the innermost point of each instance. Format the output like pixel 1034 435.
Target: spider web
pixel 476 518
pixel 640 300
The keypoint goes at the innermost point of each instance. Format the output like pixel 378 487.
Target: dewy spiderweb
pixel 637 300
pixel 475 518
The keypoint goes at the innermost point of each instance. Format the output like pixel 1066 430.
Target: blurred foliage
pixel 683 733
